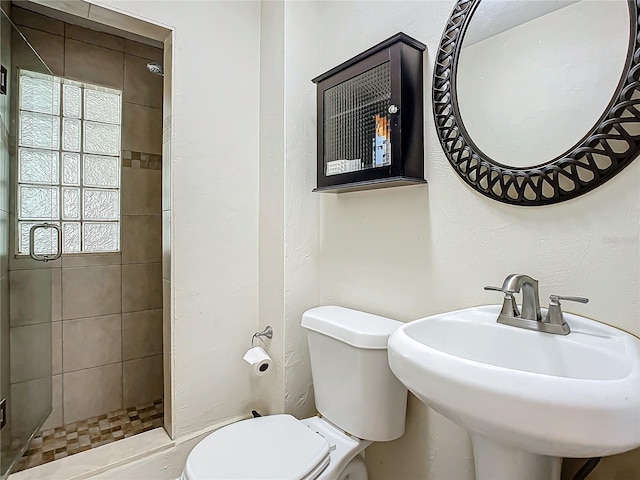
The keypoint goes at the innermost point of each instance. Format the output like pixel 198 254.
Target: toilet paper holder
pixel 267 332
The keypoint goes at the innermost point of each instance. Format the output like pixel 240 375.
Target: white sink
pixel 524 394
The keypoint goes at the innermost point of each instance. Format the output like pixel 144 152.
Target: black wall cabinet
pixel 370 119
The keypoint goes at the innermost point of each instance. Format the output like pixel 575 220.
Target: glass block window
pixel 357 123
pixel 68 164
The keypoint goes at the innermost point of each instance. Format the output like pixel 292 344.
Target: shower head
pixel 155 68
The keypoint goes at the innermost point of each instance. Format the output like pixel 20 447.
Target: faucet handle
pixel 500 289
pixel 555 299
pixel 509 305
pixel 555 315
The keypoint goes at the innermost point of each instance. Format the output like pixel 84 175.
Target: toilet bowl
pixel 278 447
pixel 358 398
pixel 345 452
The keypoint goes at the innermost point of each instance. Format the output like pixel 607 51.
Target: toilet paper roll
pixel 258 359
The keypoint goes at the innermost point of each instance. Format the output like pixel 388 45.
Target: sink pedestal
pixel 496 461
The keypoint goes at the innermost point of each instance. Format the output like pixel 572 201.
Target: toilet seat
pixel 268 448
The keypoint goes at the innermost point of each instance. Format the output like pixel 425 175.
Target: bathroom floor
pixel 49 445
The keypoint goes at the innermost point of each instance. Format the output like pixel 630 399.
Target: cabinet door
pixel 357 123
pixel 355 138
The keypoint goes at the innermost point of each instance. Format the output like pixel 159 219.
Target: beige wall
pixel 444 241
pixel 414 251
pixel 107 329
pixel 271 388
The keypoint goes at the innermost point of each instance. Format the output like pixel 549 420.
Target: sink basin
pixel 523 392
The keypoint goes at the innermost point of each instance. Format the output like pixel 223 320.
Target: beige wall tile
pixel 141 287
pixel 92 392
pixel 94 64
pixel 73 7
pixel 141 191
pixel 141 334
pixel 5 173
pixel 141 86
pixel 90 260
pixel 166 356
pixel 141 128
pixel 91 291
pixel 143 29
pixel 166 174
pixel 94 37
pixel 5 59
pixel 50 47
pixel 142 50
pixel 27 263
pixel 20 16
pixel 4 336
pixel 55 418
pixel 30 402
pixel 141 238
pixel 56 294
pixel 166 245
pixel 30 296
pixel 5 177
pixel 142 380
pixel 168 77
pixel 56 348
pixel 5 275
pixel 91 342
pixel 30 352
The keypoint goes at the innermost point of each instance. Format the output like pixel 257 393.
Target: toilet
pixel 358 399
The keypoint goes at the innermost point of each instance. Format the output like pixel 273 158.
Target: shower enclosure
pixel 29 241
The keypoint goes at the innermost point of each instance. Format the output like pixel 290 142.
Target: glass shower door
pixel 29 237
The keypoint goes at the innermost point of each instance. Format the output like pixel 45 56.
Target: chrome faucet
pixel 531 317
pixel 530 298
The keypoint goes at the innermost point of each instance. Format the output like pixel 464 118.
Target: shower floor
pixel 60 442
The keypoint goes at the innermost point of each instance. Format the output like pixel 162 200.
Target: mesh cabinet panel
pixel 357 124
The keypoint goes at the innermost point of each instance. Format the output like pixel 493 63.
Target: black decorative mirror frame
pixel 602 153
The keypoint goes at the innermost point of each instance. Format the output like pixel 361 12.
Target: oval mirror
pixel 535 101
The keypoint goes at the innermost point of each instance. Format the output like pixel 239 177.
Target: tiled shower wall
pixel 107 308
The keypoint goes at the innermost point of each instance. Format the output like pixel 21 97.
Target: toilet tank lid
pixel 359 329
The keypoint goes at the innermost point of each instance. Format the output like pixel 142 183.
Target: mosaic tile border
pixel 147 161
pixel 60 442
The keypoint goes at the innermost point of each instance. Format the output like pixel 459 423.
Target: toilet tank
pixel 354 386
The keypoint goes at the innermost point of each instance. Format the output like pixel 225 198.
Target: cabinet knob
pixel 393 109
